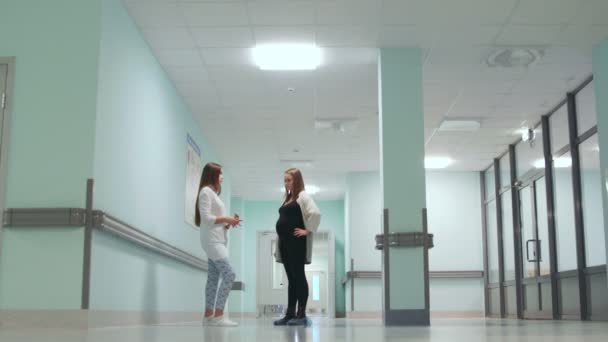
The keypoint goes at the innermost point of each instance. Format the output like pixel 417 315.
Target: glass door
pixel 536 280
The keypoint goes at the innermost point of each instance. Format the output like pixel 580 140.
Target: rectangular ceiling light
pixel 301 163
pixel 287 56
pixel 437 162
pixel 460 126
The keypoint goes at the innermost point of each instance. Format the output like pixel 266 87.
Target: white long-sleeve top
pixel 210 207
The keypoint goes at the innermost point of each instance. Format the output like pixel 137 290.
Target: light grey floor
pixel 331 330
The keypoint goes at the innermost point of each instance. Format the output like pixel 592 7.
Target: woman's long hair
pixel 210 178
pixel 298 185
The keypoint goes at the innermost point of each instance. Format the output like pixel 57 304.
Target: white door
pixel 3 129
pixel 271 278
pixel 317 293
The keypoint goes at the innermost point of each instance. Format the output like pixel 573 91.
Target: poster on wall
pixel 194 168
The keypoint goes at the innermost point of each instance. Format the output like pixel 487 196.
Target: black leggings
pixel 297 291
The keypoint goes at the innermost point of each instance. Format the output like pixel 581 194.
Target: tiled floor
pixel 331 330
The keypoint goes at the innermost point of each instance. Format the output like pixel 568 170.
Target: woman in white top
pixel 210 217
pixel 299 217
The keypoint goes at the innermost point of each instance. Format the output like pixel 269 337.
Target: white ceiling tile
pixel 149 14
pixel 222 37
pixel 197 89
pixel 226 56
pixel 483 87
pixel 484 12
pixel 245 96
pixel 179 58
pixel 348 56
pixel 545 12
pixel 405 36
pixel 584 37
pixel 188 74
pixel 202 105
pixel 566 56
pixel 458 56
pixel 331 111
pixel 282 34
pixel 497 75
pixel 404 12
pixel 215 14
pixel 529 35
pixel 348 12
pixel 273 12
pixel 592 13
pixel 346 36
pixel 237 76
pixel 169 38
pixel 465 35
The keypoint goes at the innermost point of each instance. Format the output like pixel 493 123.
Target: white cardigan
pixel 311 217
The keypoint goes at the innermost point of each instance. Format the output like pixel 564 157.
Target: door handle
pixel 528 251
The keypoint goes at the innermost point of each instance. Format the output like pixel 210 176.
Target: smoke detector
pixel 514 57
pixel 341 126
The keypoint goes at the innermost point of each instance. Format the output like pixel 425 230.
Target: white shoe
pixel 223 321
pixel 209 320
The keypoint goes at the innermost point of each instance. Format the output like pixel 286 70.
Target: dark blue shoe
pixel 304 321
pixel 283 321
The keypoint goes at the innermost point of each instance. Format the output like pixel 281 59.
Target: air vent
pixel 514 57
pixel 340 126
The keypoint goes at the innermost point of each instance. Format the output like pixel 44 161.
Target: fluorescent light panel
pixel 437 162
pixel 287 56
pixel 460 126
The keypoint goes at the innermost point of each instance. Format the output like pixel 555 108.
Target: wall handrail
pixel 433 274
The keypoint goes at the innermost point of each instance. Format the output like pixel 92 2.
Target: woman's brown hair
pixel 210 178
pixel 298 185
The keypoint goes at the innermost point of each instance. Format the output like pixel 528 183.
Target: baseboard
pixel 457 314
pixel 89 319
pixel 434 314
pixel 364 315
pixel 243 315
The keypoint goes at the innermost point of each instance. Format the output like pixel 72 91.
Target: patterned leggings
pixel 218 268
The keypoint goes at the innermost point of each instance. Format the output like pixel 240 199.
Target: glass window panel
pixel 492 243
pixel 505 171
pixel 489 177
pixel 586 115
pixel 558 123
pixel 593 213
pixel 564 213
pixel 529 154
pixel 507 236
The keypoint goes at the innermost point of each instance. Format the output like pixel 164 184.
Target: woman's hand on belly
pixel 299 232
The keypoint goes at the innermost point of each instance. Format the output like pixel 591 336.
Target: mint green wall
pixel 140 170
pixel 54 99
pixel 236 245
pixel 41 269
pixel 262 216
pixel 140 147
pixel 600 74
pixel 51 144
pixel 402 167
